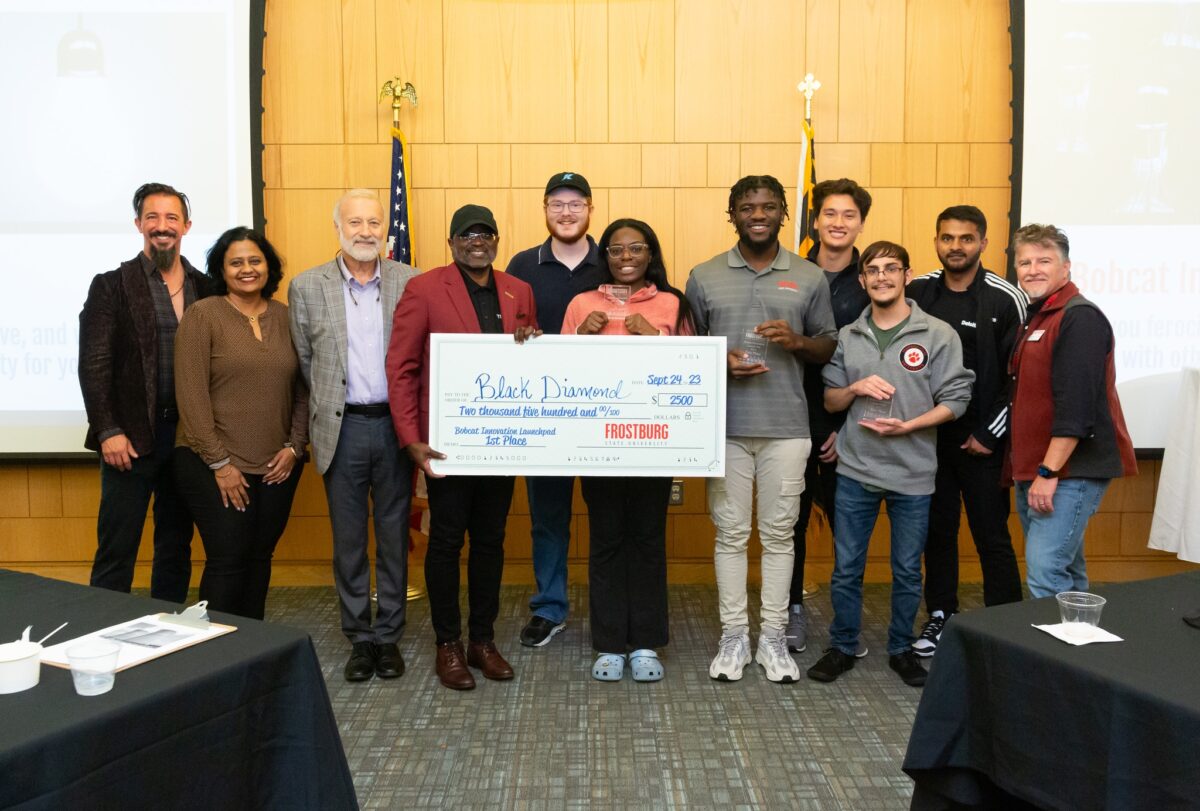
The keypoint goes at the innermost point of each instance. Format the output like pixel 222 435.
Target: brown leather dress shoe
pixel 485 657
pixel 452 666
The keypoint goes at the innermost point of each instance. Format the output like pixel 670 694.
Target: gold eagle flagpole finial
pixel 397 92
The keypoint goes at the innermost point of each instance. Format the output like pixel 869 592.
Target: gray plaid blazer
pixel 317 308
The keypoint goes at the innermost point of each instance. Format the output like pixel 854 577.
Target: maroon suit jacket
pixel 438 301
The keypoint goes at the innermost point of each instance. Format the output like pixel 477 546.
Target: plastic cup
pixel 92 666
pixel 1079 612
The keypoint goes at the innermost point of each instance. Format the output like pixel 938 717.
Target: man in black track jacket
pixel 987 313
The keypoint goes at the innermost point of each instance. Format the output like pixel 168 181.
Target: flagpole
pixel 806 170
pixel 398 93
pixel 805 181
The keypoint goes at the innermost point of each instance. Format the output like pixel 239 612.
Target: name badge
pixel 1036 335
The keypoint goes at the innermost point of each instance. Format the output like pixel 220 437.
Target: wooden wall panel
pixel 508 72
pixel 360 107
pixel 737 63
pixel 641 64
pixel 674 165
pixel 408 43
pixel 871 56
pixel 663 105
pixel 957 55
pixel 589 59
pixel 303 88
pixel 822 43
pixel 843 160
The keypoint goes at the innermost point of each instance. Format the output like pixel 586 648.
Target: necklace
pixel 252 318
pixel 177 292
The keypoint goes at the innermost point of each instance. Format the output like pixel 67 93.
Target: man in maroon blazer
pixel 468 296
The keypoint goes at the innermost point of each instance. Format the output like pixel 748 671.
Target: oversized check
pixel 564 405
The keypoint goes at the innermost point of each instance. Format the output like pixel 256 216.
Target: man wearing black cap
pixel 467 296
pixel 559 269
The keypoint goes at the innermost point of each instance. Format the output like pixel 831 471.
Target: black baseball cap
pixel 469 215
pixel 569 180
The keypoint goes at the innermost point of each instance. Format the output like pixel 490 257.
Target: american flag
pixel 399 245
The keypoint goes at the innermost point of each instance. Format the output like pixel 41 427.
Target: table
pixel 1013 718
pixel 241 721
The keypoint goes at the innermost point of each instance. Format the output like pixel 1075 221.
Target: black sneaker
pixel 833 664
pixel 931 634
pixel 911 671
pixel 539 631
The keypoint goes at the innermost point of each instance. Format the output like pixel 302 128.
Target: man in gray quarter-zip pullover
pixel 900 373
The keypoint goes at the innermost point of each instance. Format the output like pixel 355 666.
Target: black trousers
pixel 238 545
pixel 369 463
pixel 627 566
pixel 124 497
pixel 820 486
pixel 977 480
pixel 462 506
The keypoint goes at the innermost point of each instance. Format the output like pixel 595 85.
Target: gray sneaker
pixel 797 629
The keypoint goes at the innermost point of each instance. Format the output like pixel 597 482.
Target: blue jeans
pixel 1054 541
pixel 550 514
pixel 857 509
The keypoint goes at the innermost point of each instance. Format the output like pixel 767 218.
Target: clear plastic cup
pixel 1079 612
pixel 93 664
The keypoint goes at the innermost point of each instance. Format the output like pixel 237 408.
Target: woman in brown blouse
pixel 243 420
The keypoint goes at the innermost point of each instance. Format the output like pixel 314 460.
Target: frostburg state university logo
pixel 914 357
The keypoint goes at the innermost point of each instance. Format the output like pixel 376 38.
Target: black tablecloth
pixel 241 721
pixel 1012 715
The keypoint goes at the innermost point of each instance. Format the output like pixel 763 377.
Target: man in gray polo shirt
pixel 760 293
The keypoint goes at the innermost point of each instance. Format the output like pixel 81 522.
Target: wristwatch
pixel 1047 473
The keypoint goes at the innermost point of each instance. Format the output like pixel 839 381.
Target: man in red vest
pixel 1068 435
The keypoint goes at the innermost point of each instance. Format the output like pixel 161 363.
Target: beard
pixel 163 258
pixel 961 265
pixel 361 251
pixel 750 239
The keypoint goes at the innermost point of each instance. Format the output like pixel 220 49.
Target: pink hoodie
pixel 660 311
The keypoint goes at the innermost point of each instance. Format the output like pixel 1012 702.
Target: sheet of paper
pixel 140 640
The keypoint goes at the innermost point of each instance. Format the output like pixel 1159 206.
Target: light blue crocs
pixel 646 665
pixel 609 667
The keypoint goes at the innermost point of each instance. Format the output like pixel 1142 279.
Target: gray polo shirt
pixel 728 298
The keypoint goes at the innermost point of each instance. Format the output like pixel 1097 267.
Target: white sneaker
pixel 733 654
pixel 773 655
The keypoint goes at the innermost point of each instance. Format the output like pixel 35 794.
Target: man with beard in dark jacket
pixel 987 313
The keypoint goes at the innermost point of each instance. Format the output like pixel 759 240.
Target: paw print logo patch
pixel 914 358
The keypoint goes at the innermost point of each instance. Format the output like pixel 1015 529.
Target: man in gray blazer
pixel 341 318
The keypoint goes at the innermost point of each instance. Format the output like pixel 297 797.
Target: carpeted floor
pixel 555 738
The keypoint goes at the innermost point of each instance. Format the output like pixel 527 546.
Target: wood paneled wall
pixel 662 104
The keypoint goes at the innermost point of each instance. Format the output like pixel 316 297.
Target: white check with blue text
pixel 567 405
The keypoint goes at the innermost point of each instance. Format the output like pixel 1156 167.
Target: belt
pixel 369 409
pixel 168 413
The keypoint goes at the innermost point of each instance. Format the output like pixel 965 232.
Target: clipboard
pixel 147 638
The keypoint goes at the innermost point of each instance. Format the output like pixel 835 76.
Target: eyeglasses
pixel 573 206
pixel 890 270
pixel 636 250
pixel 471 236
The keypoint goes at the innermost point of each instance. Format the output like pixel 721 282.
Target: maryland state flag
pixel 804 185
pixel 399 244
